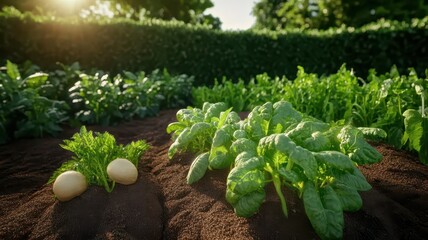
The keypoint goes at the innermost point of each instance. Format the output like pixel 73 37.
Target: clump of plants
pixel 278 144
pixel 24 111
pixel 101 160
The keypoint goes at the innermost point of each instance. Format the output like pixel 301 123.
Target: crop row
pixel 34 103
pixel 380 101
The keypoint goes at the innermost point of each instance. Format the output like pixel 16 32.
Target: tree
pixel 189 11
pixel 322 14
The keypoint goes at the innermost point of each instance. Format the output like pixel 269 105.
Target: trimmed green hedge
pixel 209 54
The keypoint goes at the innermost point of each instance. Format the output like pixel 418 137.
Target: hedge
pixel 209 54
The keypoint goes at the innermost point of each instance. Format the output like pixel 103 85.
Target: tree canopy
pixel 322 14
pixel 189 11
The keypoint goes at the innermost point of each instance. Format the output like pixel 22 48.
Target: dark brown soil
pixel 162 206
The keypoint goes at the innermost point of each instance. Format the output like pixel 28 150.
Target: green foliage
pixel 145 45
pixel 190 11
pixel 323 14
pixel 92 154
pixel 278 144
pixel 100 99
pixel 35 105
pixel 416 125
pixel 24 112
pixel 377 102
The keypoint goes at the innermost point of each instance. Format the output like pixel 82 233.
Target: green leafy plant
pixel 377 102
pixel 92 154
pixel 278 144
pixel 100 99
pixel 175 89
pixel 23 111
pixel 416 126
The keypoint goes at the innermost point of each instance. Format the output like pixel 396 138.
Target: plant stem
pixel 277 184
pixel 423 104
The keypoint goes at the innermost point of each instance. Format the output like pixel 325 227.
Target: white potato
pixel 68 185
pixel 122 171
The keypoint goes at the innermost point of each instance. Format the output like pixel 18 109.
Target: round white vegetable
pixel 68 185
pixel 122 171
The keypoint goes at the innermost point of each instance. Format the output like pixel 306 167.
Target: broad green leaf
pixel 223 117
pixel 220 160
pixel 243 157
pixel 266 111
pixel 199 128
pixel 249 181
pixel 306 160
pixel 413 128
pixel 175 126
pixel 324 211
pixel 214 111
pixel 305 129
pixel 353 179
pixel 266 147
pixel 239 134
pixel 290 176
pixel 349 197
pixel 284 144
pixel 375 134
pixel 317 142
pixel 181 140
pixel 284 115
pixel 246 165
pixel 249 204
pixel 198 168
pixel 243 145
pixel 12 70
pixel 36 80
pixel 394 137
pixel 232 197
pixel 335 159
pixel 353 144
pixel 423 152
pixel 232 117
pixel 221 138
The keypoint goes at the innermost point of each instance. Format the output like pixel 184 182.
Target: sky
pixel 234 14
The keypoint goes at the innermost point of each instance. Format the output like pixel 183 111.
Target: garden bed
pixel 162 206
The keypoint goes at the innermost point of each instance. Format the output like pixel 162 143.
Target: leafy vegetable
pixel 278 144
pixel 416 128
pixel 24 112
pixel 92 155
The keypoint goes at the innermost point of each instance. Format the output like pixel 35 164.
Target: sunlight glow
pixel 69 5
pixel 100 9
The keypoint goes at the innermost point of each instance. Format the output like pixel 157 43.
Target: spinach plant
pixel 92 154
pixel 278 144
